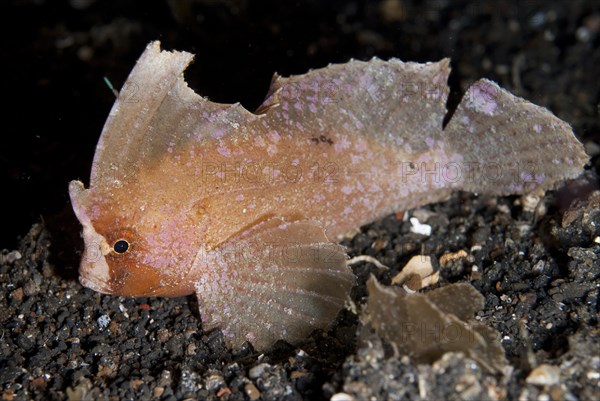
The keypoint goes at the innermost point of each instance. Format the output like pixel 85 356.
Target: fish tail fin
pixel 504 144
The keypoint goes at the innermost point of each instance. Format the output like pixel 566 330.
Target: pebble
pixel 17 294
pixel 103 321
pixel 417 273
pixel 215 381
pixel 342 397
pixel 251 391
pixel 163 335
pixel 544 375
pixel 12 257
pixel 258 370
pixel 418 228
pixel 448 258
pixel 30 288
pixel 158 391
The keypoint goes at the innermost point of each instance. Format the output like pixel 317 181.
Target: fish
pixel 246 209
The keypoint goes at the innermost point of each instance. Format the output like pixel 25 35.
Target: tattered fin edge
pixel 438 69
pixel 152 77
pixel 485 128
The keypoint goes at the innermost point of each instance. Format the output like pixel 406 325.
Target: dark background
pixel 55 55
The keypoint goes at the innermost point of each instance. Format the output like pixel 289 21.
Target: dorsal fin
pixel 397 102
pixel 155 113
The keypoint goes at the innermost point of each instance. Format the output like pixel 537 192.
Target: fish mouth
pixel 96 285
pixel 96 275
pixel 94 272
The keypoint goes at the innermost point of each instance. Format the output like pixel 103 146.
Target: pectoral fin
pixel 276 280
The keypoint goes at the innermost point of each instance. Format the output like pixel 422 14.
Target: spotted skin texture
pixel 244 208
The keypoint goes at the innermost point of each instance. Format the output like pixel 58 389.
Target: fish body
pixel 190 196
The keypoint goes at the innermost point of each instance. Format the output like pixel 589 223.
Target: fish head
pixel 121 255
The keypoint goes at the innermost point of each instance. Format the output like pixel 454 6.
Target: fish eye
pixel 121 246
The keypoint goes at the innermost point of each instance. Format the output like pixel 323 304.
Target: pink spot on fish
pixel 218 134
pixel 539 178
pixel 482 98
pixel 361 146
pixel 259 141
pixel 274 136
pixel 224 151
pixel 341 144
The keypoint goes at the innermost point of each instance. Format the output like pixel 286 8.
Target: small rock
pixel 448 258
pixel 417 273
pixel 223 392
pixel 342 397
pixel 251 391
pixel 531 202
pixel 165 378
pixel 30 288
pixel 40 383
pixel 105 371
pixel 12 257
pixel 296 374
pixel 544 375
pixel 103 321
pixel 190 349
pixel 81 391
pixel 163 335
pixel 17 294
pixel 379 244
pixel 190 382
pixel 418 228
pixel 214 381
pixel 258 370
pixel 539 267
pixel 158 391
pixel 135 383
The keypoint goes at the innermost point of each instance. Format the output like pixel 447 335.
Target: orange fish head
pixel 123 261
